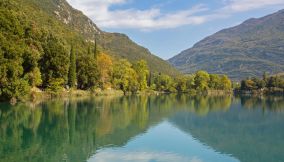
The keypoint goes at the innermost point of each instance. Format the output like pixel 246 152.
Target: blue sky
pixel 166 27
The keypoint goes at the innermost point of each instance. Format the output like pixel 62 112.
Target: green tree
pixel 124 76
pixel 55 84
pixel 201 80
pixel 142 71
pixel 190 82
pixel 54 63
pixel 72 69
pixel 12 85
pixel 163 82
pixel 226 83
pixel 34 77
pixel 248 85
pixel 181 82
pixel 96 49
pixel 214 82
pixel 87 72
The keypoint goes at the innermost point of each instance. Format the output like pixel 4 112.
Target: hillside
pixel 246 50
pixel 116 44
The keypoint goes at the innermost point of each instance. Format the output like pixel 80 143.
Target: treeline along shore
pixel 265 85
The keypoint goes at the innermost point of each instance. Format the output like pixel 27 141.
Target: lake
pixel 166 128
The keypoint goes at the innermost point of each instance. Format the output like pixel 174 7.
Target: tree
pixel 142 71
pixel 12 85
pixel 105 68
pixel 55 84
pixel 54 63
pixel 226 83
pixel 214 82
pixel 72 69
pixel 87 72
pixel 163 82
pixel 34 77
pixel 181 84
pixel 96 49
pixel 248 85
pixel 201 80
pixel 259 84
pixel 124 77
pixel 190 82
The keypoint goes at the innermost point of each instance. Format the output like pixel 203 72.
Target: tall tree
pixel 72 69
pixel 105 68
pixel 96 50
pixel 142 71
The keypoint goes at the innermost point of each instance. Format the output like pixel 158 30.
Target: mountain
pixel 246 50
pixel 69 23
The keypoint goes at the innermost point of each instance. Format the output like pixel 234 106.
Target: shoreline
pixel 38 96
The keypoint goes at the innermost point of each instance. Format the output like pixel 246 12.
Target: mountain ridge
pixel 246 50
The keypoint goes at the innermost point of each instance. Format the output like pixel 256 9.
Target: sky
pixel 167 27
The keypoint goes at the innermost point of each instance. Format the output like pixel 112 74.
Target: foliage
pixel 142 71
pixel 201 80
pixel 162 82
pixel 87 72
pixel 54 63
pixel 272 83
pixel 105 68
pixel 72 69
pixel 124 76
pixel 55 84
pixel 34 77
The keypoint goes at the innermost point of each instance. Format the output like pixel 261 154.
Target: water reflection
pixel 272 103
pixel 77 130
pixel 252 130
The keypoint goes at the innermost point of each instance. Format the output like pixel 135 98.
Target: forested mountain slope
pixel 116 44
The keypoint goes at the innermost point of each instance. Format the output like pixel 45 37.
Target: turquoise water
pixel 168 128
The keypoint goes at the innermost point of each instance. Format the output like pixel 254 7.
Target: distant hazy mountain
pixel 249 49
pixel 60 18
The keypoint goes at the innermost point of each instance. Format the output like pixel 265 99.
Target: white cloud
pixel 247 5
pixel 153 18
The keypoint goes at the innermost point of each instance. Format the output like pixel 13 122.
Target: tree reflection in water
pixel 73 130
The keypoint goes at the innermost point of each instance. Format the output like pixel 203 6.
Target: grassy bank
pixel 37 96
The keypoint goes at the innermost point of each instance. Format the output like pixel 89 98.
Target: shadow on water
pixel 73 130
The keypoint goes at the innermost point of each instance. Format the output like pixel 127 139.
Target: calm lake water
pixel 168 128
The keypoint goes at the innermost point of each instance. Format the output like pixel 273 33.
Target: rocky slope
pixel 246 50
